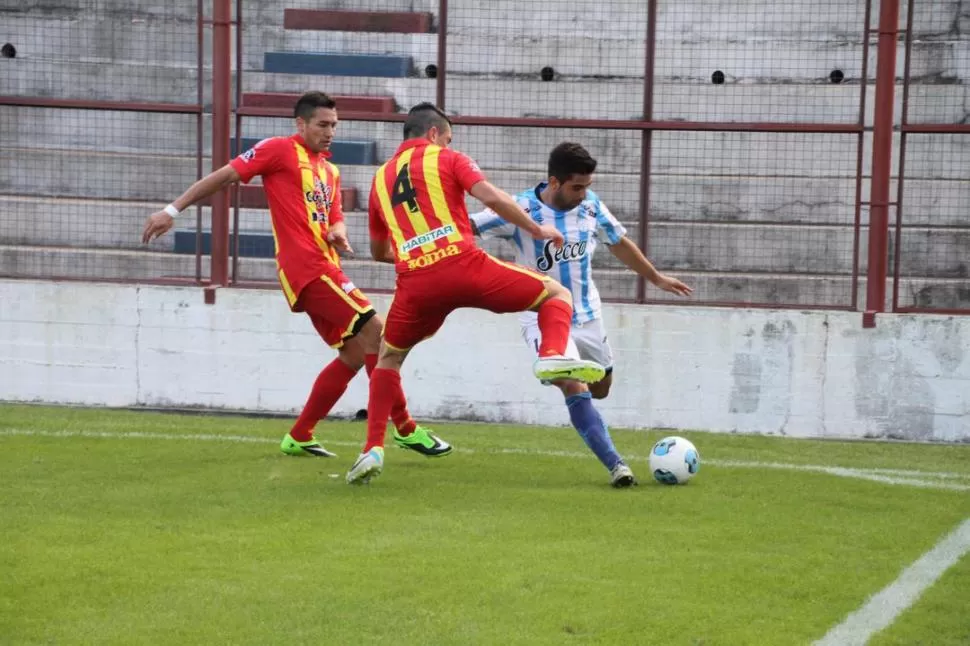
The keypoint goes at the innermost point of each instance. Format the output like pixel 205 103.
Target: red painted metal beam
pixel 348 102
pixel 86 104
pixel 882 157
pixel 607 124
pixel 221 119
pixel 388 22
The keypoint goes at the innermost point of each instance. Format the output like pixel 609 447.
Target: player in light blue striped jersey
pixel 565 200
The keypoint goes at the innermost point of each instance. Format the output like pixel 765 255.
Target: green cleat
pixel 424 442
pixel 290 446
pixel 553 368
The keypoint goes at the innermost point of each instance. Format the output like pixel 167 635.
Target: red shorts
pixel 424 298
pixel 335 306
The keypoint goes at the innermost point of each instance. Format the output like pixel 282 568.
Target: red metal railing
pixel 646 125
pixel 230 118
pixel 161 274
pixel 946 299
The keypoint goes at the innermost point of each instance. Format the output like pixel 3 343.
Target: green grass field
pixel 119 527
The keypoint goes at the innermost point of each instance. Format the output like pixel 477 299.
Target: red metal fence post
pixel 442 53
pixel 882 153
pixel 199 127
pixel 646 141
pixel 860 153
pixel 221 118
pixel 234 192
pixel 901 172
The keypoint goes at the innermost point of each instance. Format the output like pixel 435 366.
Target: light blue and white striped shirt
pixel 582 227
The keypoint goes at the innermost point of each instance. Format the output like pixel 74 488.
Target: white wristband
pixel 171 210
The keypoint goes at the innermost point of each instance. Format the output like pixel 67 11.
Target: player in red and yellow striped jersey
pixel 419 222
pixel 303 191
pixel 417 203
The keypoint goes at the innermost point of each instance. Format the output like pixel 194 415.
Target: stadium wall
pixel 810 374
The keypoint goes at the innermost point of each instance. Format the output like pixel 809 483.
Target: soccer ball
pixel 674 460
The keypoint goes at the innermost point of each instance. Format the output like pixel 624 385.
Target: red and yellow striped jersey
pixel 417 201
pixel 303 191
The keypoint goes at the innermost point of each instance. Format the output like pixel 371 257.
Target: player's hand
pixel 549 232
pixel 337 236
pixel 672 285
pixel 156 225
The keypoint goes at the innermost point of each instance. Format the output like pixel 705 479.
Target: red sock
pixel 385 388
pixel 399 409
pixel 555 319
pixel 327 389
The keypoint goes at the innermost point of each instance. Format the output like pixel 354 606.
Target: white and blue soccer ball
pixel 674 460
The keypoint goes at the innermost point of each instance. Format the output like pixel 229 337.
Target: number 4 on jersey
pixel 403 191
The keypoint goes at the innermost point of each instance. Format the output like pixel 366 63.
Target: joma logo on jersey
pixel 551 256
pixel 429 259
pixel 425 238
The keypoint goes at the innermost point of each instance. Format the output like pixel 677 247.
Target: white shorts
pixel 586 341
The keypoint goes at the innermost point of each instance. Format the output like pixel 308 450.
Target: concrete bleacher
pixel 771 249
pixel 780 46
pixel 759 217
pixel 711 241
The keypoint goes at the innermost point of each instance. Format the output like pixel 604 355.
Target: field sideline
pixel 125 527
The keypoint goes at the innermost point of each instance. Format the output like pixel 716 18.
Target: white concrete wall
pixel 797 373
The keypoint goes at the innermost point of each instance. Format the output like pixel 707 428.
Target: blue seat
pixel 252 244
pixel 329 64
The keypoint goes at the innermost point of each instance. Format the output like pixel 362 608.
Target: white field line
pixel 924 479
pixel 886 605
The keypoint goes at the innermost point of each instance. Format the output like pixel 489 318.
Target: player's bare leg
pixel 555 311
pixel 366 341
pixel 601 389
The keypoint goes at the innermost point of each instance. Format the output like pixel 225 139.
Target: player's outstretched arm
pixel 630 255
pixel 506 206
pixel 160 222
pixel 489 224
